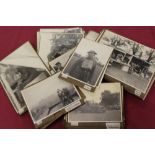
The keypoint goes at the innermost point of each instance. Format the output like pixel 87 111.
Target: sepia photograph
pixel 63 30
pixel 104 105
pixel 127 46
pixel 87 62
pixel 48 97
pixel 21 69
pixel 131 70
pixel 66 30
pixel 53 45
pixel 74 30
pixel 131 63
pixel 58 64
pixel 94 36
pixel 16 78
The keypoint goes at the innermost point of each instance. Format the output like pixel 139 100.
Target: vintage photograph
pixel 130 70
pixel 104 105
pixel 20 69
pixel 131 63
pixel 74 30
pixel 16 78
pixel 127 46
pixel 63 30
pixel 94 36
pixel 53 45
pixel 87 62
pixel 48 97
pixel 58 64
pixel 66 30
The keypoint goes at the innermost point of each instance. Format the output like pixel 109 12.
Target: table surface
pixel 139 114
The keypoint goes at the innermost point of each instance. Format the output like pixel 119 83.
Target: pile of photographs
pixel 131 63
pixel 51 97
pixel 63 77
pixel 54 46
pixel 21 69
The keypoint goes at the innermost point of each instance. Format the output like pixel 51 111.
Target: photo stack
pixel 131 63
pixel 66 77
pixel 56 45
pixel 21 69
pixel 51 97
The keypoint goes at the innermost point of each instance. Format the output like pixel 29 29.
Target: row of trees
pixel 136 48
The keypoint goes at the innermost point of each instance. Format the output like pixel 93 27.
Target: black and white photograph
pixel 53 45
pixel 49 97
pixel 104 105
pixel 131 63
pixel 19 70
pixel 87 62
pixel 66 30
pixel 133 74
pixel 63 30
pixel 16 78
pixel 94 36
pixel 127 46
pixel 58 64
pixel 132 71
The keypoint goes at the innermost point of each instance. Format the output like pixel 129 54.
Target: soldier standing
pixel 84 68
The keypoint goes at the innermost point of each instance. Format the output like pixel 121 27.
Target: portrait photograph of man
pixel 87 63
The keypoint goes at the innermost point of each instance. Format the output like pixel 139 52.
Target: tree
pixel 151 56
pixel 135 48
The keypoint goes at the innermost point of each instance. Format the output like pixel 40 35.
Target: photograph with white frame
pixel 48 97
pixel 103 105
pixel 53 45
pixel 16 78
pixel 18 70
pixel 131 63
pixel 87 63
pixel 55 30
